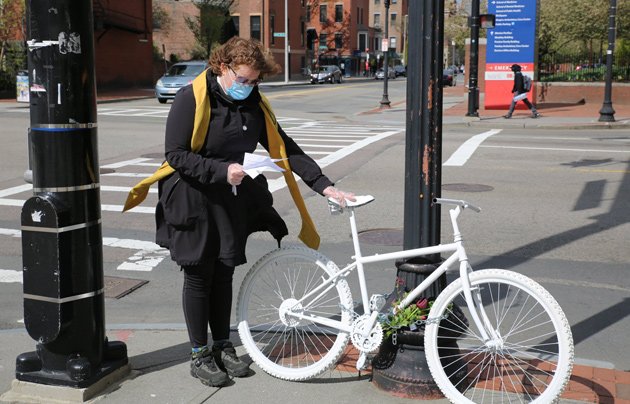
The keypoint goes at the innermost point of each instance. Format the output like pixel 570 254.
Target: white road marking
pixel 10 276
pixel 148 255
pixel 557 149
pixel 466 150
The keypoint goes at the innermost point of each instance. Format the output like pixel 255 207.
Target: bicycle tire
pixel 532 363
pixel 289 348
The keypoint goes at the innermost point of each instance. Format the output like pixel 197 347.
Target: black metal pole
pixel 473 91
pixel 402 368
pixel 385 103
pixel 607 113
pixel 61 224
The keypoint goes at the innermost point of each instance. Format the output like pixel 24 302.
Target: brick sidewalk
pixel 552 109
pixel 587 383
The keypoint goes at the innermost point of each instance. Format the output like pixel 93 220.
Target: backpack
pixel 527 83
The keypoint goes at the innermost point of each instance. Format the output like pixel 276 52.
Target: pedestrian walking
pixel 208 205
pixel 521 87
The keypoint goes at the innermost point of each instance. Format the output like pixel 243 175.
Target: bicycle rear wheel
pixel 283 345
pixel 531 360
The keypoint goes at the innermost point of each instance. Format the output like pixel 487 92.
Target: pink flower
pixel 422 303
pixel 400 281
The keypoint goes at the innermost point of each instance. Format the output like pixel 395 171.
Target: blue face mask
pixel 238 91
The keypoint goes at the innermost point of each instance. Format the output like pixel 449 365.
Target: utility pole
pixel 473 91
pixel 385 103
pixel 405 371
pixel 607 113
pixel 286 41
pixel 64 305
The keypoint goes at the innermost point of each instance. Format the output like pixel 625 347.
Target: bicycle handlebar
pixel 458 202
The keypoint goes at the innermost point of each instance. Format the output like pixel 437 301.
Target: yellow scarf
pixel 308 233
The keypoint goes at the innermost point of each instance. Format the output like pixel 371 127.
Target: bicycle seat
pixel 360 201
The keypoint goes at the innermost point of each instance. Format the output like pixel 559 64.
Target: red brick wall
pixel 124 58
pixel 176 36
pixel 575 92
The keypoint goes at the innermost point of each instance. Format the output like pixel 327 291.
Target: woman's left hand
pixel 338 195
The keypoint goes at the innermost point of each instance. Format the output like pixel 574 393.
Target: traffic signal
pixel 386 2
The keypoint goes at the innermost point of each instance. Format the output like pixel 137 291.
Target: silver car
pixel 179 75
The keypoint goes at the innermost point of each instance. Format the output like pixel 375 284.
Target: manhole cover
pixel 467 187
pixel 106 170
pixel 389 237
pixel 153 155
pixel 116 287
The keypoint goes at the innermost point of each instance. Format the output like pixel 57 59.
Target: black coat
pixel 518 83
pixel 197 217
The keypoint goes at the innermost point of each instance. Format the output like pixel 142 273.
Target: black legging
pixel 207 299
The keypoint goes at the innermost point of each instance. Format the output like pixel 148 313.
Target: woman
pixel 208 205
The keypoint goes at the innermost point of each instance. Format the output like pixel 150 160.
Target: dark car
pixel 179 75
pixel 326 74
pixel 448 77
pixel 380 74
pixel 400 70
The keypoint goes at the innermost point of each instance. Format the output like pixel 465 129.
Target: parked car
pixel 448 78
pixel 326 74
pixel 179 75
pixel 400 70
pixel 380 74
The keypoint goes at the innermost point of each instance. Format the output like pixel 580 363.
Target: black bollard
pixel 61 224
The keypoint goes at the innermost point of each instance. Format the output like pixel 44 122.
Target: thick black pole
pixel 61 224
pixel 401 367
pixel 607 113
pixel 473 90
pixel 385 103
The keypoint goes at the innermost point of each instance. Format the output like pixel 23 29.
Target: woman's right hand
pixel 235 174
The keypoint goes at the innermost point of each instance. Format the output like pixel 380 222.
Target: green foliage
pixel 14 60
pixel 211 26
pixel 407 317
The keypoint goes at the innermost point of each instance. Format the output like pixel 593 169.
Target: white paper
pixel 254 164
pixel 520 97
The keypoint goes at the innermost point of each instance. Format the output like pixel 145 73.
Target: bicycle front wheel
pixel 528 360
pixel 283 345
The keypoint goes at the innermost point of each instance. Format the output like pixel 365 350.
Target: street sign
pixel 384 44
pixel 513 40
pixel 279 35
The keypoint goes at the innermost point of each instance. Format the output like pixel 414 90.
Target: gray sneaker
pixel 226 358
pixel 204 368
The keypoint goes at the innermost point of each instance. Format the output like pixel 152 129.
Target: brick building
pixel 123 43
pixel 397 28
pixel 319 31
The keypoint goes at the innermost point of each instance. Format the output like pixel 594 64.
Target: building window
pixel 392 42
pixel 254 27
pixel 272 27
pixel 394 18
pixel 302 31
pixel 377 44
pixel 323 40
pixel 394 1
pixel 308 13
pixel 339 13
pixel 236 22
pixel 377 1
pixel 362 42
pixel 338 41
pixel 323 13
pixel 377 20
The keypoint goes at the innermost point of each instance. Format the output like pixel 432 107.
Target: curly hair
pixel 239 51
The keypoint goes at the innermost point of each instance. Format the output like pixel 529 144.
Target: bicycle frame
pixel 457 253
